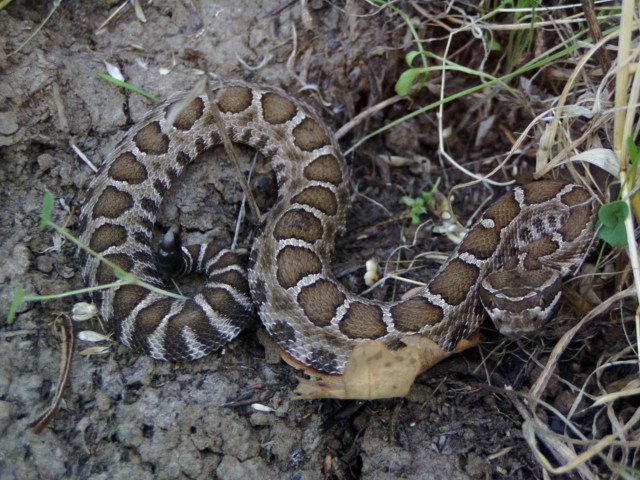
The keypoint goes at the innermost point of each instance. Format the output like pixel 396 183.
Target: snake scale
pixel 535 233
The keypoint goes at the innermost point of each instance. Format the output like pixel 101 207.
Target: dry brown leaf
pixel 374 372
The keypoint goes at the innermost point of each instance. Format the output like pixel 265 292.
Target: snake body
pixel 538 231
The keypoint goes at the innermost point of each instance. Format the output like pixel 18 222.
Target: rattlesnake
pixel 537 232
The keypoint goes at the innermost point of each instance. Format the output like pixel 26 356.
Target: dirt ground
pixel 125 416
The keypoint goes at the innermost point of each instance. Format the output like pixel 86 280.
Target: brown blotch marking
pixel 200 146
pixel 126 168
pixel 294 264
pixel 580 205
pixel 150 317
pixel 104 273
pixel 318 197
pixel 506 282
pixel 146 224
pixel 83 256
pixel 183 159
pixel 415 313
pixel 322 359
pixel 160 187
pixel 151 140
pixel 282 332
pixel 363 321
pixel 225 260
pixel 539 248
pixel 172 173
pixel 324 169
pixel 142 237
pixel 310 135
pixel 223 302
pixel 454 282
pixel 481 242
pixel 232 278
pixel 503 211
pixel 149 205
pixel 189 114
pixel 107 236
pixel 193 316
pixel 297 223
pixel 126 299
pixel 112 203
pixel 234 99
pixel 277 109
pixel 143 257
pixel 320 301
pixel 538 192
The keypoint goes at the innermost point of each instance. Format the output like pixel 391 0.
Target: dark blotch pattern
pixel 282 332
pixel 318 197
pixel 189 115
pixel 310 135
pixel 481 242
pixel 112 203
pixel 454 281
pixel 105 273
pixel 325 168
pixel 151 140
pixel 320 301
pixel 107 236
pixel 322 359
pixel 363 321
pixel 415 313
pixel 538 192
pixel 126 168
pixel 300 224
pixel 234 99
pixel 277 109
pixel 294 264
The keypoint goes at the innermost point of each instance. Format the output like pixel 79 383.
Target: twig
pixel 66 357
pixel 369 112
pixel 596 33
pixel 231 151
pixel 56 4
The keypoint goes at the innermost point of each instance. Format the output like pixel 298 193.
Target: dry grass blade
pixel 66 358
pixel 558 350
pixel 230 148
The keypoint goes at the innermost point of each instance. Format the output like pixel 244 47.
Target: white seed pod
pixel 372 274
pixel 83 311
pixel 114 71
pixel 96 350
pixel 258 407
pixel 93 337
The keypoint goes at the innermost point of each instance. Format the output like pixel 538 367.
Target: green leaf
pixel 494 46
pixel 411 56
pixel 408 201
pixel 634 157
pixel 634 153
pixel 129 86
pixel 611 219
pixel 16 301
pixel 407 80
pixel 47 209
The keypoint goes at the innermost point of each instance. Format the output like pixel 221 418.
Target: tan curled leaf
pixel 374 372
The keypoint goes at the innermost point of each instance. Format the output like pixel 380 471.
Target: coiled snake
pixel 512 258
